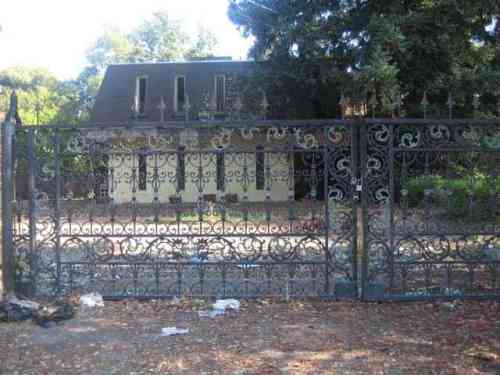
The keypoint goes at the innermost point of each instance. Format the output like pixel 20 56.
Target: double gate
pixel 376 209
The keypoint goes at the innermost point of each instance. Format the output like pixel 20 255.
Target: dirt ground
pixel 264 338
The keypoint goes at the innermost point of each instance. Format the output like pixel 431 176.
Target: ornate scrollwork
pixel 382 195
pixel 439 132
pixel 76 144
pixel 278 133
pixel 249 133
pixel 222 140
pixel 336 134
pixel 410 139
pixel 381 133
pixel 305 141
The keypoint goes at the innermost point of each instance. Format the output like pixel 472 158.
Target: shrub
pixel 458 197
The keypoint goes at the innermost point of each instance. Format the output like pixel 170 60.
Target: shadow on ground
pixel 265 337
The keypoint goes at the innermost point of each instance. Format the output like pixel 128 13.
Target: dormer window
pixel 220 92
pixel 180 93
pixel 140 95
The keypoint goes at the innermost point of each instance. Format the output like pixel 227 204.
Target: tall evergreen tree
pixel 388 47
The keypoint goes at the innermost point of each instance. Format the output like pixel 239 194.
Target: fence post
pixel 7 197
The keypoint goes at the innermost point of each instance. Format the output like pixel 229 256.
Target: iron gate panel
pixel 243 210
pixel 431 214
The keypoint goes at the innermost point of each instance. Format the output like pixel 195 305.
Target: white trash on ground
pixel 210 313
pixel 91 300
pixel 173 331
pixel 30 305
pixel 224 304
pixel 219 308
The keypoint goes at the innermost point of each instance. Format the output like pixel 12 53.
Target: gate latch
pixel 358 183
pixel 359 188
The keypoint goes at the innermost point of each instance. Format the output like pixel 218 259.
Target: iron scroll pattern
pixel 240 211
pixel 431 210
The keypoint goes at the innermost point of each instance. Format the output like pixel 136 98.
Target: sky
pixel 55 34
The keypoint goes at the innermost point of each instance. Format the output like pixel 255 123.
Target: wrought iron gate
pixel 199 209
pixel 430 206
pixel 262 208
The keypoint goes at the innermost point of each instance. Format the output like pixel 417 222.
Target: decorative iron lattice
pixel 430 201
pixel 262 209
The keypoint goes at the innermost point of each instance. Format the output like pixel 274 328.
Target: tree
pixel 37 92
pixel 204 46
pixel 154 40
pixel 110 48
pixel 158 39
pixel 411 46
pixel 43 99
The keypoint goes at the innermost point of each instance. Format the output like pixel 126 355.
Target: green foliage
pixel 156 39
pixel 45 100
pixel 384 47
pixel 37 89
pixel 204 46
pixel 458 197
pixel 110 48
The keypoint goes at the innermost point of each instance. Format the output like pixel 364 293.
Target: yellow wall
pixel 122 166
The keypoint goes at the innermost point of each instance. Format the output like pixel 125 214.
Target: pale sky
pixel 56 33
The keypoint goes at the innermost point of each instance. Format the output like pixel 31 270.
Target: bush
pixel 458 197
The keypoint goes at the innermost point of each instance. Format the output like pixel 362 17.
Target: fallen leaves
pixel 265 337
pixel 484 354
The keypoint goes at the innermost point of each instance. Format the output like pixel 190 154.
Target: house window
pixel 143 171
pixel 220 170
pixel 181 168
pixel 180 93
pixel 140 95
pixel 259 168
pixel 220 92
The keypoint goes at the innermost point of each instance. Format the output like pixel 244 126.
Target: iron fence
pixel 431 215
pixel 245 210
pixel 256 208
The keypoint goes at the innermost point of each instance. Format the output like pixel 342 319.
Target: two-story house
pixel 174 162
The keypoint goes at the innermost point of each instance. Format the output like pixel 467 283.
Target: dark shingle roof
pixel 116 95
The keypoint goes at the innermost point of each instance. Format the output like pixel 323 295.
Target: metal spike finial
pixel 213 103
pixel 476 101
pixel 425 103
pixel 450 104
pixel 397 103
pixel 133 109
pixel 187 107
pixel 238 104
pixel 264 104
pixel 13 109
pixel 373 103
pixel 342 103
pixel 425 100
pixel 162 107
pixel 238 107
